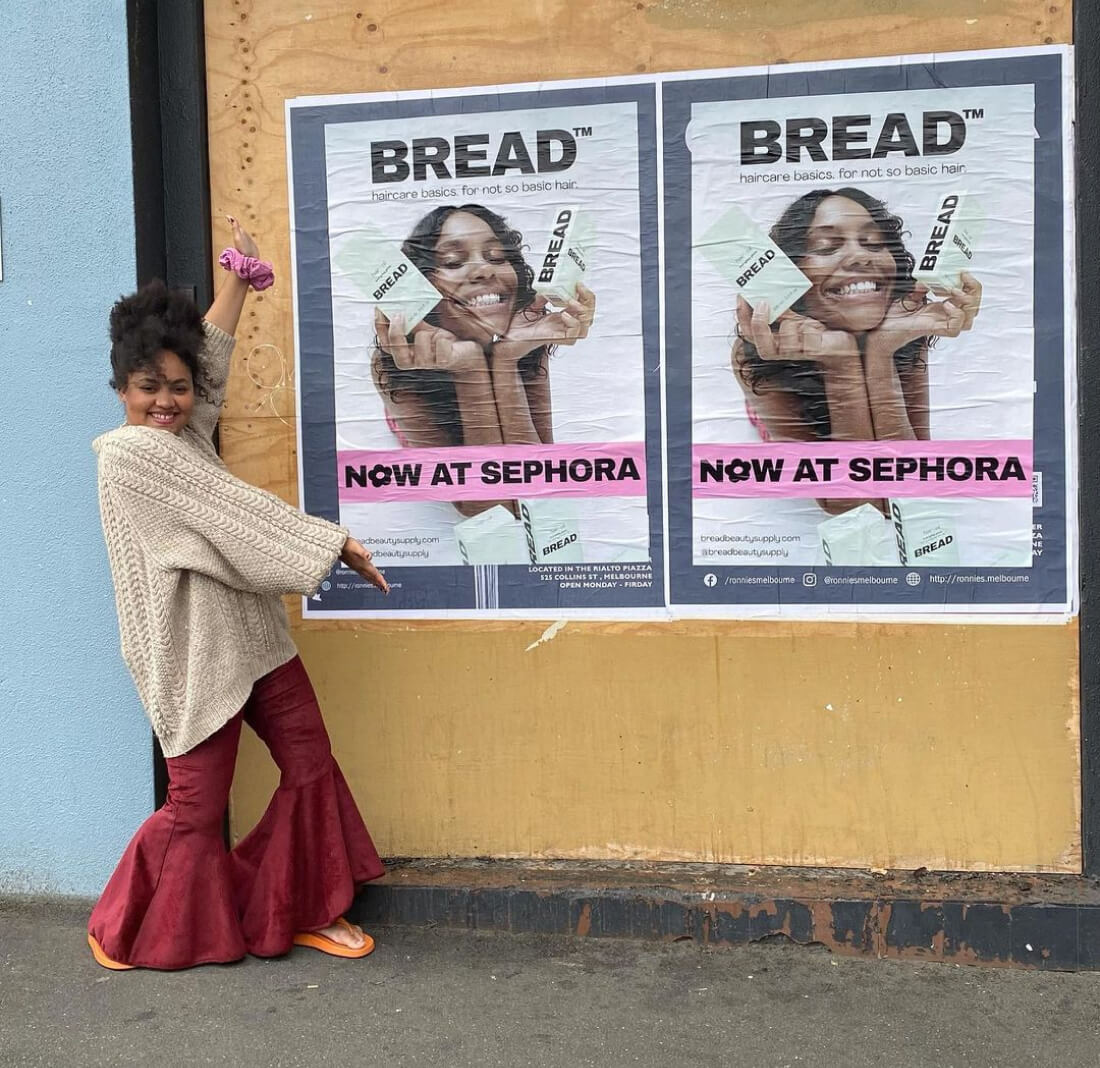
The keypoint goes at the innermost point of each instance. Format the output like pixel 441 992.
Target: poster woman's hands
pixel 534 327
pixel 795 337
pixel 356 556
pixel 427 348
pixel 914 316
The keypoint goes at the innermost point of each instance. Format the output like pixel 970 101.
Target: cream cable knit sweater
pixel 199 561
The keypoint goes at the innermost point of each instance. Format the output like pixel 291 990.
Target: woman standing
pixel 200 561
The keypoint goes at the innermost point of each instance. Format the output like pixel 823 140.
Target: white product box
pixel 925 536
pixel 494 536
pixel 379 269
pixel 952 242
pixel 757 268
pixel 565 255
pixel 553 533
pixel 862 537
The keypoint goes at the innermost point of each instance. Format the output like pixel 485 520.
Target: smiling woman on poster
pixel 849 360
pixel 475 371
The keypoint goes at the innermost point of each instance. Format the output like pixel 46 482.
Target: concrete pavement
pixel 433 997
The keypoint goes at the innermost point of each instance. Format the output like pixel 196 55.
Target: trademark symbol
pixel 974 113
pixel 582 131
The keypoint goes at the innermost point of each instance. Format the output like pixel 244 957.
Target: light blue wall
pixel 75 764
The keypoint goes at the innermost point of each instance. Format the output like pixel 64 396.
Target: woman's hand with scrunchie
pixel 534 326
pixel 359 559
pixel 793 336
pixel 243 241
pixel 427 348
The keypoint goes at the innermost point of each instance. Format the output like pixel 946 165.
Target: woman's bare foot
pixel 346 934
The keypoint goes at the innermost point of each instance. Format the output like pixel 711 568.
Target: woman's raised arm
pixel 220 325
pixel 225 312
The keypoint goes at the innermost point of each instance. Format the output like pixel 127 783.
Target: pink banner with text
pixel 493 472
pixel 859 469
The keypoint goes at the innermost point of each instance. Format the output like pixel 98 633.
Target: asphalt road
pixel 456 999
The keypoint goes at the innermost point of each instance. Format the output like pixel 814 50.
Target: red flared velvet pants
pixel 177 898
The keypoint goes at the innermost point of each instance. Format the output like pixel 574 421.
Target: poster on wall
pixel 808 353
pixel 868 311
pixel 477 309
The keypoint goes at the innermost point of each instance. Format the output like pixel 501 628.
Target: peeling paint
pixel 1014 931
pixel 548 635
pixel 584 923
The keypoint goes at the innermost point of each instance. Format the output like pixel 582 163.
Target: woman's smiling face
pixel 850 265
pixel 160 396
pixel 472 269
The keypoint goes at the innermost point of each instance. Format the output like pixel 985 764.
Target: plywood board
pixel 770 743
pixel 943 747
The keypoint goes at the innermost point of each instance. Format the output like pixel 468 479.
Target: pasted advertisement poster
pixel 810 354
pixel 477 305
pixel 868 341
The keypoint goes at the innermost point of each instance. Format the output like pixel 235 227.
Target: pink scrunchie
pixel 257 273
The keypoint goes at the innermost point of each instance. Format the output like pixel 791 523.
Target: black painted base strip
pixel 1050 922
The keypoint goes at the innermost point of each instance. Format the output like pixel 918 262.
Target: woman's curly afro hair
pixel 148 322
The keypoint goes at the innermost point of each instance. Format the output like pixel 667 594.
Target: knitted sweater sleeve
pixel 193 515
pixel 213 376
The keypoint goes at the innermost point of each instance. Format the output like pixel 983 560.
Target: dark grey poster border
pixel 1043 585
pixel 453 589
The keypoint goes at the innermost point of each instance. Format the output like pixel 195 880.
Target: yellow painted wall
pixel 851 745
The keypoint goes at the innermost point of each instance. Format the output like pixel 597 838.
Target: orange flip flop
pixel 102 959
pixel 315 940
